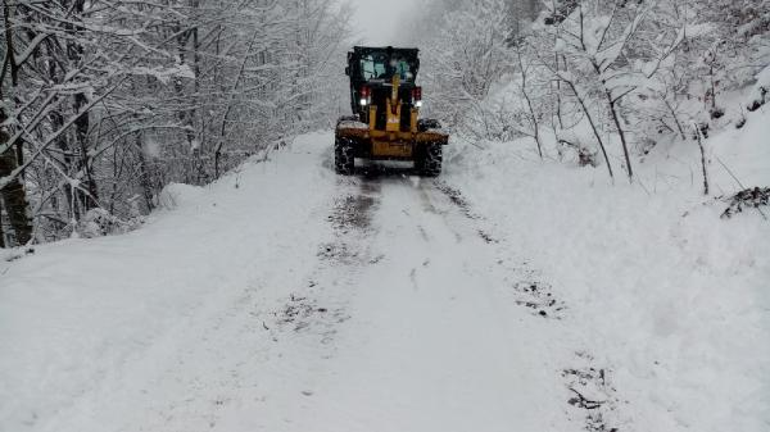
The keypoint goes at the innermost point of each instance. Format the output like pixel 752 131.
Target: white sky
pixel 376 21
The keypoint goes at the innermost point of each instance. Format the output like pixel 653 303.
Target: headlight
pixel 418 104
pixel 364 102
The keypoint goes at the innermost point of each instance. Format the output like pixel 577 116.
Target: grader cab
pixel 386 123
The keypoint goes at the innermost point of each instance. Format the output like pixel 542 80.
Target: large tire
pixel 344 156
pixel 429 160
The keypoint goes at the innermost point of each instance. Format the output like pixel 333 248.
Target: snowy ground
pixel 673 301
pixel 508 295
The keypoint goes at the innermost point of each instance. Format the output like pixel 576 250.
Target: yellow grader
pixel 386 123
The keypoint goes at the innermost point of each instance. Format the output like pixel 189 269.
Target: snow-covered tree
pixel 616 75
pixel 464 58
pixel 106 102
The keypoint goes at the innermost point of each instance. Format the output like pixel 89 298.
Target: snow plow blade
pixel 379 145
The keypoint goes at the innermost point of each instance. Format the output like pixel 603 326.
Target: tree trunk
pixel 82 124
pixel 558 97
pixel 2 234
pixel 193 114
pixel 12 194
pixel 593 127
pixel 57 122
pixel 217 155
pixel 616 119
pixel 676 120
pixel 144 173
pixel 703 159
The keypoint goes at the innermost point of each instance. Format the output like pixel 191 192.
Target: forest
pixel 106 102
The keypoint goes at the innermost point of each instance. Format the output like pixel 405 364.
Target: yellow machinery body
pixel 394 142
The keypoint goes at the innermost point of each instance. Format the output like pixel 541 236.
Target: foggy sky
pixel 376 21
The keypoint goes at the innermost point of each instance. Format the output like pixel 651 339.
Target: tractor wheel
pixel 429 159
pixel 344 157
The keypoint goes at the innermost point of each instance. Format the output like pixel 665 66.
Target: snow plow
pixel 386 123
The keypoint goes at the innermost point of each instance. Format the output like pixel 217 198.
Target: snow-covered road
pixel 287 298
pixel 431 345
pixel 284 298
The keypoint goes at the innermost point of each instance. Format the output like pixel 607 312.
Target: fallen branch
pixel 751 198
pixel 583 402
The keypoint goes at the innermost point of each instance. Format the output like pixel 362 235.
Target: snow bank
pixel 99 222
pixel 177 195
pixel 674 298
pixel 78 317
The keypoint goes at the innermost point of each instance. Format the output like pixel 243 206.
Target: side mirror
pixel 347 71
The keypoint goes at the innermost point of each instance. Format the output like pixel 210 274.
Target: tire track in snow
pixel 430 346
pixel 592 399
pixel 458 199
pixel 593 396
pixel 530 291
pixel 321 306
pixel 428 205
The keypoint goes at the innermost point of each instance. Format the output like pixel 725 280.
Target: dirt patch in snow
pixel 339 252
pixel 352 212
pixel 530 290
pixel 351 216
pixel 300 312
pixel 538 297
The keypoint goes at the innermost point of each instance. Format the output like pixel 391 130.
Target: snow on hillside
pixel 669 296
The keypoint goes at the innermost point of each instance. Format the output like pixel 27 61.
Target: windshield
pixel 380 66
